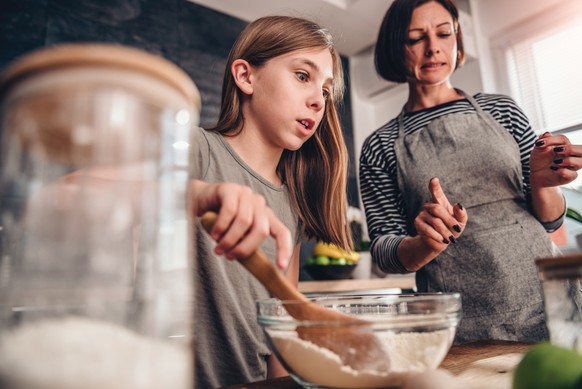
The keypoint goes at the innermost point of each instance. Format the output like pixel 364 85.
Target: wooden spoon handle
pixel 260 267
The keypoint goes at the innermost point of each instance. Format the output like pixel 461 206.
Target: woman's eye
pixel 413 41
pixel 302 76
pixel 445 34
pixel 325 94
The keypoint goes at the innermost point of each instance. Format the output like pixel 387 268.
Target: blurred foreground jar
pixel 562 282
pixel 95 283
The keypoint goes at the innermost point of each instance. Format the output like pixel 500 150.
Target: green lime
pixel 310 261
pixel 321 260
pixel 547 366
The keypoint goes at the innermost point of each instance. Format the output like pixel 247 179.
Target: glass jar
pixel 95 260
pixel 562 283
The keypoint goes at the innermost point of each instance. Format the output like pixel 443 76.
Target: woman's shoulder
pixel 495 100
pixel 383 134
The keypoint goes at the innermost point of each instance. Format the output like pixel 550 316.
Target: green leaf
pixel 572 214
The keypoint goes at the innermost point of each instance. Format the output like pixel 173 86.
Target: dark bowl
pixel 330 272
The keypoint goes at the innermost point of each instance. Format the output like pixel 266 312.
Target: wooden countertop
pixel 392 281
pixel 481 365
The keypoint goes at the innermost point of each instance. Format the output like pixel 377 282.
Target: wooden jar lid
pixel 103 55
pixel 564 267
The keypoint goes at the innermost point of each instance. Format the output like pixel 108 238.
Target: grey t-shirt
pixel 230 347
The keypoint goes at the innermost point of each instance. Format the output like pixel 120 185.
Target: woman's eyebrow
pixel 438 25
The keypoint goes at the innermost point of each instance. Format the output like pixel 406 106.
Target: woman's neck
pixel 256 153
pixel 423 96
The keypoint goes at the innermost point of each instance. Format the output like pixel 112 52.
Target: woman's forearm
pixel 414 254
pixel 547 203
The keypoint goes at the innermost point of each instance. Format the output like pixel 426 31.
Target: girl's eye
pixel 326 94
pixel 302 76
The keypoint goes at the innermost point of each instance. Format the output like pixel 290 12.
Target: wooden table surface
pixel 392 281
pixel 481 365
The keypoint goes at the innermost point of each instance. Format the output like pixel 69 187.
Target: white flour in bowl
pixel 77 353
pixel 408 352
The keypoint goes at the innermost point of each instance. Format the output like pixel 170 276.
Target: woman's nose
pixel 431 47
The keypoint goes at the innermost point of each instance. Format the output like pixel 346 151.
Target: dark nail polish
pixel 460 206
pixel 445 241
pixel 558 161
pixel 457 228
pixel 540 143
pixel 452 239
pixel 558 149
pixel 554 167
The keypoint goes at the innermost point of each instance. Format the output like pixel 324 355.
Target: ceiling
pixel 354 23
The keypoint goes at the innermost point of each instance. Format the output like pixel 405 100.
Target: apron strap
pixel 469 98
pixel 401 123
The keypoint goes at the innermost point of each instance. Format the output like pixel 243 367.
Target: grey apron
pixel 492 263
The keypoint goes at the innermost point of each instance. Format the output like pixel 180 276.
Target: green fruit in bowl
pixel 322 260
pixel 338 261
pixel 547 366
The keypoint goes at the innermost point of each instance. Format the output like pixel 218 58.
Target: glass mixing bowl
pixel 414 332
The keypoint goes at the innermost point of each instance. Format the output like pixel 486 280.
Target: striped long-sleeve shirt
pixel 383 202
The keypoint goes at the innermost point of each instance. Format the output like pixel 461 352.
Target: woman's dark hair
pixel 389 56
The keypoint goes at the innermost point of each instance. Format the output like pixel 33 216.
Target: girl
pixel 274 166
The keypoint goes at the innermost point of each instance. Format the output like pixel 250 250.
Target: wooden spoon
pixel 352 339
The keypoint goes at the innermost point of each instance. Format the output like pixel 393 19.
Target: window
pixel 545 78
pixel 544 75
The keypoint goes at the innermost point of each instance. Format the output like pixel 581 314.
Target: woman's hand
pixel 438 225
pixel 244 220
pixel 554 161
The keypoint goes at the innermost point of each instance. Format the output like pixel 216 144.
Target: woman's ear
pixel 241 73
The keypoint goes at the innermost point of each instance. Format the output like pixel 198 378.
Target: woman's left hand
pixel 554 161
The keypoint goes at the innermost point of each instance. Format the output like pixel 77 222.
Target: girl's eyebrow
pixel 420 29
pixel 313 65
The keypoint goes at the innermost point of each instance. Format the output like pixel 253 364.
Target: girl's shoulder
pixel 202 135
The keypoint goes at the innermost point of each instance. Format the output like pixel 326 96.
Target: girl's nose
pixel 317 102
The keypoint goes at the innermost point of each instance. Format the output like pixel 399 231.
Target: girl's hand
pixel 439 223
pixel 244 220
pixel 554 161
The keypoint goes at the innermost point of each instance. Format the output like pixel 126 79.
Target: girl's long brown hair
pixel 316 174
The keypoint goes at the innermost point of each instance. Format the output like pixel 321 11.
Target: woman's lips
pixel 433 65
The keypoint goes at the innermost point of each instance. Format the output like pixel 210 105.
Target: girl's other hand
pixel 554 161
pixel 244 220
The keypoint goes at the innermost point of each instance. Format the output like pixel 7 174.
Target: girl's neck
pixel 256 153
pixel 423 96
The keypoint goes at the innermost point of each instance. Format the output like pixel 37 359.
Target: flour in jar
pixel 407 351
pixel 75 352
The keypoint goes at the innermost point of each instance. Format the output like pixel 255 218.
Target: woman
pixel 478 233
pixel 275 165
